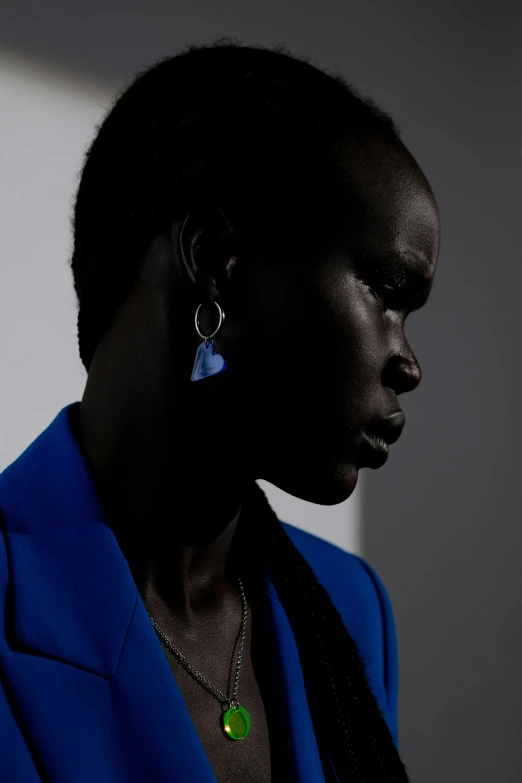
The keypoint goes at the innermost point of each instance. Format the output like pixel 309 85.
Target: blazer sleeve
pixel 390 652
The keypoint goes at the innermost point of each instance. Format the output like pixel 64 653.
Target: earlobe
pixel 205 285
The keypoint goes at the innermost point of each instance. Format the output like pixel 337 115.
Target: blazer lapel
pixel 302 744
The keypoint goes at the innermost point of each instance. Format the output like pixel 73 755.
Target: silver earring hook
pixel 221 319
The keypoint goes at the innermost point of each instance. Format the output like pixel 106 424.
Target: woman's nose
pixel 402 373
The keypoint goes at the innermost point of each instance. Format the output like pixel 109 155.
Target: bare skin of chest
pixel 233 761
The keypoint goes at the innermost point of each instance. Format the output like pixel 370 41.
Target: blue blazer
pixel 86 691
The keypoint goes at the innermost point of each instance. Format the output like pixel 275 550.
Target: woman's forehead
pixel 386 201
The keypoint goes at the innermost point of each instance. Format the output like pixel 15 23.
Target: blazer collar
pixel 74 598
pixel 68 573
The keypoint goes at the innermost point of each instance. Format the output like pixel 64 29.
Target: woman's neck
pixel 174 523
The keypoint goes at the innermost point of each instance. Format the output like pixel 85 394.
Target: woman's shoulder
pixel 341 573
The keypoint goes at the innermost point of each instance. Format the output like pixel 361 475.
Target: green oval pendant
pixel 236 723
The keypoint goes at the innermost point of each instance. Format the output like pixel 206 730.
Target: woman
pixel 250 234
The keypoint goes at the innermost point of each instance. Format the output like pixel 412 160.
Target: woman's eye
pixel 397 283
pixel 388 287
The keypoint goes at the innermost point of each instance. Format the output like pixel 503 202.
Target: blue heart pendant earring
pixel 207 361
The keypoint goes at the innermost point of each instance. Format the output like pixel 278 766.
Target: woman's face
pixel 320 347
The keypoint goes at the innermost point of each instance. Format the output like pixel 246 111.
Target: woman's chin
pixel 324 482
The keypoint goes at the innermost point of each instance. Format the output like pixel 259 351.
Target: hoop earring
pixel 207 361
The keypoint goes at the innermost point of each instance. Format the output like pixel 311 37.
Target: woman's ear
pixel 205 242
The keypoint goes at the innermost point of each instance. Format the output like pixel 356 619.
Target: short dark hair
pixel 221 121
pixel 227 121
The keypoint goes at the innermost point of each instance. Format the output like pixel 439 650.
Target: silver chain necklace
pixel 235 718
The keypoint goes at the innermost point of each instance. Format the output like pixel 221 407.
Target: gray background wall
pixel 441 520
